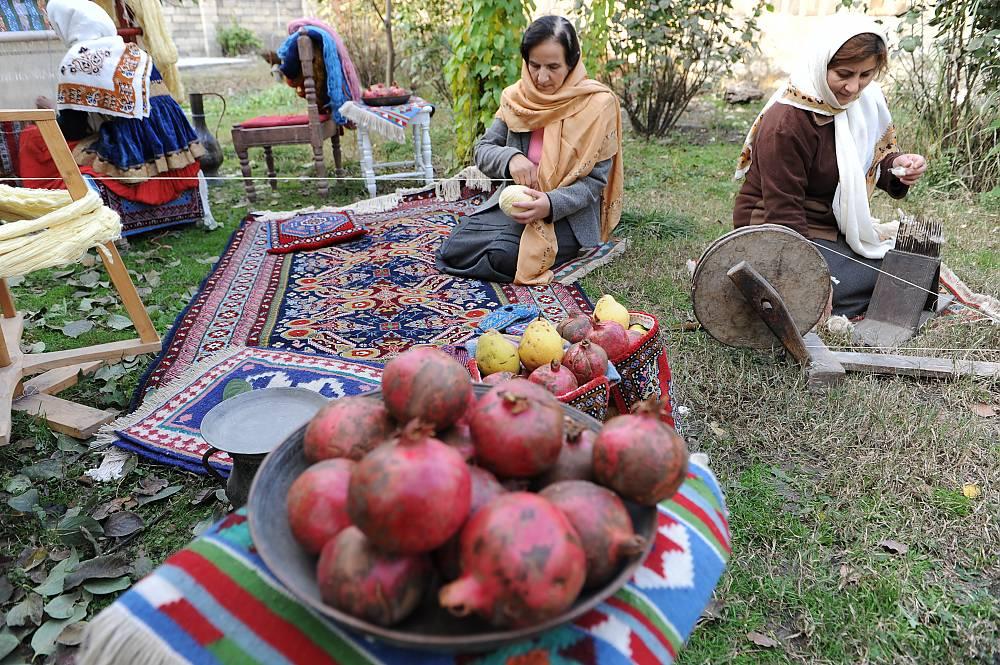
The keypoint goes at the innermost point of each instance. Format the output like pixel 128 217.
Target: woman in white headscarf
pixel 116 112
pixel 818 149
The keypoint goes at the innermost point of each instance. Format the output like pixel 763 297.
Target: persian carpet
pixel 314 230
pixel 369 299
pixel 216 602
pixel 167 428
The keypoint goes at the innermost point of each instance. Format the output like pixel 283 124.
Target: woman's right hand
pixel 523 171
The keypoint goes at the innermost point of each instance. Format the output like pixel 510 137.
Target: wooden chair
pixel 310 128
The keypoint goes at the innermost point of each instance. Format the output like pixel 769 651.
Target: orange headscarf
pixel 583 126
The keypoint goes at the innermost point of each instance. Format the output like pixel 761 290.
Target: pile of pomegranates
pixel 505 502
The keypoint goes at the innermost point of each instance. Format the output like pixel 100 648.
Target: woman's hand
pixel 523 171
pixel 43 102
pixel 537 210
pixel 915 166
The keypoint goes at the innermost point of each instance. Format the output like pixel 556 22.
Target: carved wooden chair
pixel 311 128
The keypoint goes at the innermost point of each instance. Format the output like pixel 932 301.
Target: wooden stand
pixel 58 370
pixel 765 286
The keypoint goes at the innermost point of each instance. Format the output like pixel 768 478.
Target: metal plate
pixel 254 422
pixel 792 265
pixel 429 627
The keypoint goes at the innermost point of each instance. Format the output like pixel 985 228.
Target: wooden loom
pixel 55 371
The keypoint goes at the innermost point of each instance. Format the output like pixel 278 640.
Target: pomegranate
pixel 485 488
pixel 603 524
pixel 522 563
pixel 317 503
pixel 555 378
pixel 639 456
pixel 348 427
pixel 518 429
pixel 411 495
pixel 575 328
pixel 610 336
pixel 497 378
pixel 356 578
pixel 634 337
pixel 459 437
pixel 426 383
pixel 576 458
pixel 586 361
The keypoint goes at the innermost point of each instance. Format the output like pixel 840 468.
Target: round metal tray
pixel 395 100
pixel 429 627
pixel 254 422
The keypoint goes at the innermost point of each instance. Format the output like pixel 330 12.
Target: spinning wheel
pixel 59 369
pixel 763 287
pixel 791 265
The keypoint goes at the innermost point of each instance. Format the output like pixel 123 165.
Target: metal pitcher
pixel 212 159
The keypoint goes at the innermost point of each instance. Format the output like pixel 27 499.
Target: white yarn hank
pixel 49 229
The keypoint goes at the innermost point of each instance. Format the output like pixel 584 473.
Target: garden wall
pixel 195 23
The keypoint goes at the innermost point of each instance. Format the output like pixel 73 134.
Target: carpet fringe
pixel 107 436
pixel 449 189
pixel 113 637
pixel 593 264
pixel 373 123
pixel 984 304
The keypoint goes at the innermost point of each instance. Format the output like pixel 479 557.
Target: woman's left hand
pixel 915 166
pixel 536 210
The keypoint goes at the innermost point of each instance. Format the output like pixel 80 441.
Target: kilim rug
pixel 167 427
pixel 368 299
pixel 216 602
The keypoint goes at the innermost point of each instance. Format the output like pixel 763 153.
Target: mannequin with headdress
pixel 820 147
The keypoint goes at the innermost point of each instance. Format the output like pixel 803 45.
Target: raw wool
pixel 839 325
pixel 50 229
pixel 112 466
pixel 114 637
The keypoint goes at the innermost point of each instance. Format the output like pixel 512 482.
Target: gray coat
pixel 579 203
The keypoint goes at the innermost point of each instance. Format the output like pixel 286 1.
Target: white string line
pixel 995 319
pixel 896 348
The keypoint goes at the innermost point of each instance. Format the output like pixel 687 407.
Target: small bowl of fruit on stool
pixel 382 95
pixel 443 515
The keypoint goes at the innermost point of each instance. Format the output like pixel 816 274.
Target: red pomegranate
pixel 459 437
pixel 576 458
pixel 426 383
pixel 317 503
pixel 356 578
pixel 610 336
pixel 411 495
pixel 485 488
pixel 347 427
pixel 640 457
pixel 518 429
pixel 603 524
pixel 555 378
pixel 522 563
pixel 497 378
pixel 575 328
pixel 586 361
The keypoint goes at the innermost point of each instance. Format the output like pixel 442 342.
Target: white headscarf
pixel 863 130
pixel 100 73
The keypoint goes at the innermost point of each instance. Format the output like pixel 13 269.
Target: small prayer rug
pixel 311 231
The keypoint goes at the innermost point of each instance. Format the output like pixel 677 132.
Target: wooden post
pixel 7 300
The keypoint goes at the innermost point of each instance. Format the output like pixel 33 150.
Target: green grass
pixel 814 483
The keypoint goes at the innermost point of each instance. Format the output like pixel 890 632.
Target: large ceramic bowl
pixel 429 627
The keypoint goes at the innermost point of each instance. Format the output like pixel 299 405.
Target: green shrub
pixel 237 40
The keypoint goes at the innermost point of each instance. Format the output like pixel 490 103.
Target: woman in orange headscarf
pixel 558 133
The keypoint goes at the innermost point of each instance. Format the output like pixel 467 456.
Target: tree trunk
pixel 390 56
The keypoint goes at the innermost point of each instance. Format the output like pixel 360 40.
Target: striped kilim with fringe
pixel 216 602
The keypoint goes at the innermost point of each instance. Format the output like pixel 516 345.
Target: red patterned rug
pixel 368 299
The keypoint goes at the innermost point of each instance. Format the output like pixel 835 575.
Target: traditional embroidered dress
pixel 812 164
pixel 116 112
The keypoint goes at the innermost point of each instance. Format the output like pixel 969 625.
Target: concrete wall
pixel 194 23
